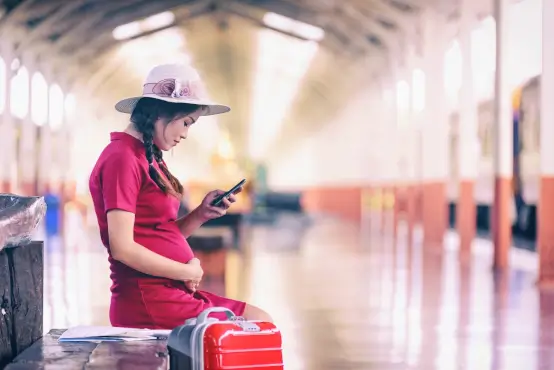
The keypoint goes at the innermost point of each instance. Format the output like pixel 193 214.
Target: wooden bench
pixel 48 353
pixel 21 299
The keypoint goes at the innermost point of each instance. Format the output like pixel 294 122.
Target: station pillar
pixel 503 137
pixel 468 142
pixel 435 134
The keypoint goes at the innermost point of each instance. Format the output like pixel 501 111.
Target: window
pixel 19 93
pixel 57 105
pixel 39 99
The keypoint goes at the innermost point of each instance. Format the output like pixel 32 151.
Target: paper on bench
pixel 110 333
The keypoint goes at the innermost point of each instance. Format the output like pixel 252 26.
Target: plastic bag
pixel 19 217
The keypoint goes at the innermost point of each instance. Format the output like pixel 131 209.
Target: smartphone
pixel 217 201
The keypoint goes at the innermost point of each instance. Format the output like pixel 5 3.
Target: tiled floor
pixel 349 300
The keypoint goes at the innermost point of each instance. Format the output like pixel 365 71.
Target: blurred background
pixel 369 131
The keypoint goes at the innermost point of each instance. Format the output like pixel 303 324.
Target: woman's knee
pixel 255 313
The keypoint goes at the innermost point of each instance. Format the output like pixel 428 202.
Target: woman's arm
pixel 190 223
pixel 205 211
pixel 124 249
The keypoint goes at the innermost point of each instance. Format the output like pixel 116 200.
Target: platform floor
pixel 346 299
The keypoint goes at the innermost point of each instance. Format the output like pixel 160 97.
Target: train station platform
pixel 415 134
pixel 347 298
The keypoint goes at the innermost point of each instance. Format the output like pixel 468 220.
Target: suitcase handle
pixel 204 314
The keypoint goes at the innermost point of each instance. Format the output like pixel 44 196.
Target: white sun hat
pixel 174 83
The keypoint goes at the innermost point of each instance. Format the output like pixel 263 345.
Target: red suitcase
pixel 209 344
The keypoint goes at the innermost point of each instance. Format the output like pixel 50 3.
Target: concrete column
pixel 545 232
pixel 468 140
pixel 406 189
pixel 503 135
pixel 28 141
pixel 414 133
pixel 389 169
pixel 67 187
pixel 63 152
pixel 59 170
pixel 46 160
pixel 44 147
pixel 435 149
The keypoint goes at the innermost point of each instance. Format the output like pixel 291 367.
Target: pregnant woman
pixel 155 276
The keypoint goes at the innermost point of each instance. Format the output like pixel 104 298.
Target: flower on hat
pixel 164 87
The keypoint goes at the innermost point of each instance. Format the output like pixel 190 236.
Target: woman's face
pixel 169 134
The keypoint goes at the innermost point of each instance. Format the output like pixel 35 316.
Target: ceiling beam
pixel 20 12
pixel 45 26
pixel 98 48
pixel 370 26
pixel 82 28
pixel 383 9
pixel 409 4
pixel 102 39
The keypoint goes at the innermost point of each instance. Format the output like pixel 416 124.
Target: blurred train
pixel 526 155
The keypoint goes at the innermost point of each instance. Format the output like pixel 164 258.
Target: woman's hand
pixel 192 285
pixel 206 211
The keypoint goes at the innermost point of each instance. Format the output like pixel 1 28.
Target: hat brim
pixel 127 105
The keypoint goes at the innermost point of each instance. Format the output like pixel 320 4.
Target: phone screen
pixel 217 201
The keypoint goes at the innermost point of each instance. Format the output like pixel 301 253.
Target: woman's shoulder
pixel 115 150
pixel 121 158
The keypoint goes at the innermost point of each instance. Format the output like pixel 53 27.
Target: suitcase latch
pixel 246 325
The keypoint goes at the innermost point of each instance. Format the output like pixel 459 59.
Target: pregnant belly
pixel 165 240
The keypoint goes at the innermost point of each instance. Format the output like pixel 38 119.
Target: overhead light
pixel 135 28
pixel 158 21
pixel 289 25
pixel 126 31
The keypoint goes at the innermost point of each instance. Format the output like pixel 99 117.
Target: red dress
pixel 120 180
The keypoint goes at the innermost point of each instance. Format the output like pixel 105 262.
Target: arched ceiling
pixel 74 39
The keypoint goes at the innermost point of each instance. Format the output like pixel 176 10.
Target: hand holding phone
pixel 217 201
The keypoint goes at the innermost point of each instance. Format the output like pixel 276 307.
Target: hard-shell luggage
pixel 208 343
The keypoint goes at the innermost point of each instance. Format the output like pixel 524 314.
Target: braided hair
pixel 144 116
